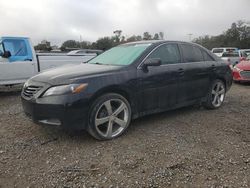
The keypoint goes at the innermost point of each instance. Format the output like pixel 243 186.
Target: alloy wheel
pixel 112 118
pixel 218 94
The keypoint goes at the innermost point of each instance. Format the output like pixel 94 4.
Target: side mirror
pixel 1 53
pixel 6 54
pixel 152 62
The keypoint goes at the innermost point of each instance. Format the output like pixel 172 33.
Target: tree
pixel 134 38
pixel 118 36
pixel 238 35
pixel 43 46
pixel 85 45
pixel 161 35
pixel 156 36
pixel 104 43
pixel 70 44
pixel 147 36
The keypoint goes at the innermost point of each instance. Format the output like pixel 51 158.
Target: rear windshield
pixel 230 55
pixel 120 55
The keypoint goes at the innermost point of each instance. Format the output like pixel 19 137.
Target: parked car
pixel 124 83
pixel 247 51
pixel 234 58
pixel 220 51
pixel 84 52
pixel 241 71
pixel 18 60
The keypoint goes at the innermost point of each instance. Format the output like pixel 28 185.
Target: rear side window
pixel 191 53
pixel 206 56
pixel 168 53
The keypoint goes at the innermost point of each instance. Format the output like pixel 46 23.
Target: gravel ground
pixel 189 147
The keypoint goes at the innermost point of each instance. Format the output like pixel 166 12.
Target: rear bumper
pixel 72 116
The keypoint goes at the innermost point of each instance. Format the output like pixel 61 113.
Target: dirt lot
pixel 189 147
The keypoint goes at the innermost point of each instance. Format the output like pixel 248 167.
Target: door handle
pixel 181 71
pixel 213 67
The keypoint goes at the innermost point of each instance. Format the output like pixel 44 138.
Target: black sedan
pixel 126 82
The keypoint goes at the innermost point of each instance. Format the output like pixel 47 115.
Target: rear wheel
pixel 109 117
pixel 216 95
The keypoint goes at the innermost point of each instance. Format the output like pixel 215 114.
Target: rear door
pixel 20 65
pixel 195 80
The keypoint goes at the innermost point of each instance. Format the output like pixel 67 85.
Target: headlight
pixel 65 89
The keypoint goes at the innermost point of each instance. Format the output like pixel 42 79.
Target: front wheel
pixel 216 95
pixel 109 117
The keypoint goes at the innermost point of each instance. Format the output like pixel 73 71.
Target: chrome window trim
pixel 139 67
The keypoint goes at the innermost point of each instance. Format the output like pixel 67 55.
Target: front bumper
pixel 55 111
pixel 238 76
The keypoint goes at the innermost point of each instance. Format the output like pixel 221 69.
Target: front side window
pixel 120 55
pixel 206 56
pixel 16 47
pixel 191 53
pixel 168 53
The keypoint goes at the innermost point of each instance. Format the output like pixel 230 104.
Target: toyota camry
pixel 124 83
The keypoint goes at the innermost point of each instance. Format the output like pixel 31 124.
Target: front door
pixel 158 85
pixel 20 65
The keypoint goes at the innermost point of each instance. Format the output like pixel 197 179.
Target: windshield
pixel 120 55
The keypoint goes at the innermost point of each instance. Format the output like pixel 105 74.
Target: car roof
pixel 225 48
pixel 10 37
pixel 157 42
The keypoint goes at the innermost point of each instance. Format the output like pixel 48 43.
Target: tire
pixel 216 95
pixel 109 117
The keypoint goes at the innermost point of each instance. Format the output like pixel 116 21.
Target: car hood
pixel 244 65
pixel 69 73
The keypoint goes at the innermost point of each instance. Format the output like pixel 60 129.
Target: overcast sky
pixel 59 20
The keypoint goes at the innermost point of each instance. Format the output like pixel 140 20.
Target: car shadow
pixel 136 126
pixel 166 114
pixel 9 93
pixel 242 83
pixel 10 90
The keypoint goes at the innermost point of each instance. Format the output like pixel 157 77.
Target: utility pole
pixel 190 36
pixel 81 41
